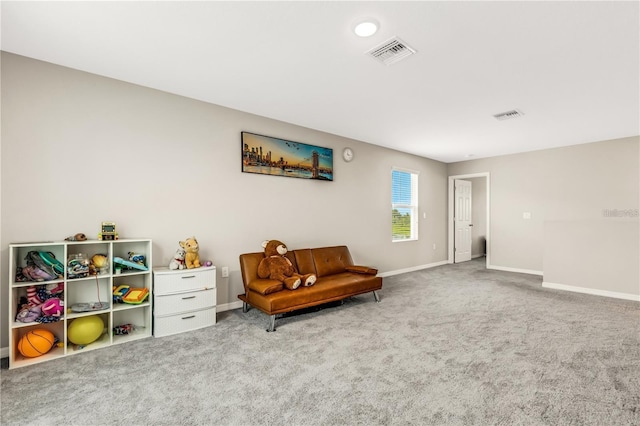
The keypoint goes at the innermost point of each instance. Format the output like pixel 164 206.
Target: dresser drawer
pixel 186 301
pixel 174 324
pixel 167 282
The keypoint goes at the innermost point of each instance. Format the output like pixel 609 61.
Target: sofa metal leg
pixel 376 296
pixel 272 323
pixel 245 307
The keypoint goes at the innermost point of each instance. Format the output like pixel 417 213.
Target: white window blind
pixel 404 205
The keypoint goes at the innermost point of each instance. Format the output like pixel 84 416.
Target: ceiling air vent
pixel 514 113
pixel 391 51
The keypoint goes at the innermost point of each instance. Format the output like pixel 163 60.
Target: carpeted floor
pixel 456 344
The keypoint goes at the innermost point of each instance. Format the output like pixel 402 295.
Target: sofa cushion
pixel 324 290
pixel 331 260
pixel 304 260
pixel 265 286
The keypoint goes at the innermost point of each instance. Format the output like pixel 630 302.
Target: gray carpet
pixel 455 345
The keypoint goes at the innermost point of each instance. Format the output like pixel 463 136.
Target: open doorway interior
pixel 469 231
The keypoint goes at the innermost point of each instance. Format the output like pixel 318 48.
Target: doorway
pixel 481 243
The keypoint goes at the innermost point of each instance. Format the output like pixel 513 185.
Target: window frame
pixel 413 206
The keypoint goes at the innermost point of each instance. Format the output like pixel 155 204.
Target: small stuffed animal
pixel 52 307
pixel 192 258
pixel 277 266
pixel 178 260
pixel 77 237
pixel 29 313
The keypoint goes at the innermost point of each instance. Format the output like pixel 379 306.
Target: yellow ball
pixel 85 330
pixel 99 260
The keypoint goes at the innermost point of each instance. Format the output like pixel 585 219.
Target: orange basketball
pixel 36 342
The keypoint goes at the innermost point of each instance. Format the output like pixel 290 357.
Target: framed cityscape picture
pixel 279 157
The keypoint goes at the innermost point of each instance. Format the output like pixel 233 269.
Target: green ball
pixel 85 330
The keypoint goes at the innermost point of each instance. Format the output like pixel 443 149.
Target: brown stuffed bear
pixel 277 266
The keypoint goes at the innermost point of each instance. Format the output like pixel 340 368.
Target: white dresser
pixel 183 300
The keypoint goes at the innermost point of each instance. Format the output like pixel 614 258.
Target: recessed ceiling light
pixel 366 28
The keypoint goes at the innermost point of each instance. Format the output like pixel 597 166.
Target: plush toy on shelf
pixel 191 248
pixel 178 260
pixel 277 266
pixel 43 304
pixel 29 313
pixel 53 307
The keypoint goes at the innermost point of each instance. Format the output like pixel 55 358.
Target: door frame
pixel 451 225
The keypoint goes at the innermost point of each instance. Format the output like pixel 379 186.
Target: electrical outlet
pixel 225 271
pixel 434 246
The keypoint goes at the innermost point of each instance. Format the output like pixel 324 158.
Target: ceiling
pixel 572 68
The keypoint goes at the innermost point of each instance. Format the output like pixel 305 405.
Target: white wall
pixel 573 185
pixel 78 149
pixel 593 256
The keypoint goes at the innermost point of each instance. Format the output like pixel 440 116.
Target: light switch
pixel 526 215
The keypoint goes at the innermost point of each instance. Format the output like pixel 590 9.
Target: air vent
pixel 514 113
pixel 391 51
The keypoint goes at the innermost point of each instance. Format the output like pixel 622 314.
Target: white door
pixel 462 221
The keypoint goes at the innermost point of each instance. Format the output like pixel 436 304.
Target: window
pixel 404 205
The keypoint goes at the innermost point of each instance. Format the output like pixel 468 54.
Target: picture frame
pixel 272 156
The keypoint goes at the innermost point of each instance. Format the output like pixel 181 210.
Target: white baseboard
pixel 520 271
pixel 592 291
pixel 229 306
pixel 413 268
pixel 4 352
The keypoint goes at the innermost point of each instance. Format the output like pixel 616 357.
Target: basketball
pixel 85 330
pixel 36 342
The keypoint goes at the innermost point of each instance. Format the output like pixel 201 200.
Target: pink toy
pixel 52 307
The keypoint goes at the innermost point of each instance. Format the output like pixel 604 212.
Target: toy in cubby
pixel 85 330
pixel 127 294
pixel 119 292
pixel 77 266
pixel 123 264
pixel 99 264
pixel 40 266
pixel 121 330
pixel 36 342
pixel 42 303
pixel 135 296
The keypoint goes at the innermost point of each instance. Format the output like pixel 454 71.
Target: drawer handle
pixel 191 316
pixel 190 297
pixel 190 276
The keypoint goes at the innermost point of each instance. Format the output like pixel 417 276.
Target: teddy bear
pixel 277 266
pixel 191 258
pixel 178 260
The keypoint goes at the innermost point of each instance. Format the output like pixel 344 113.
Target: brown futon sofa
pixel 338 278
